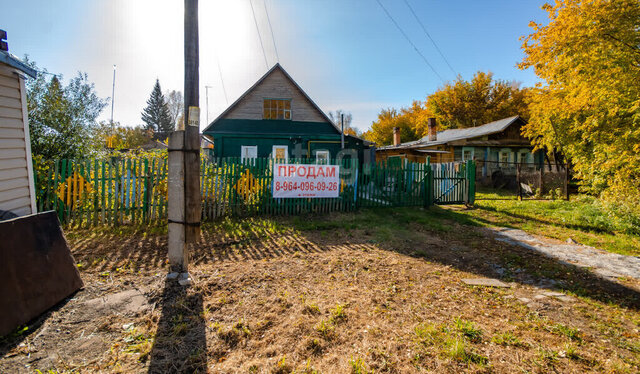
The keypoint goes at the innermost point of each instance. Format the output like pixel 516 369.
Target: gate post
pixel 471 180
pixel 428 184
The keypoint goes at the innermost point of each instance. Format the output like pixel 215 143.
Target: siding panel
pixel 12 153
pixel 14 194
pixel 9 92
pixel 7 174
pixel 15 204
pixel 13 183
pixel 11 123
pixel 13 163
pixel 10 102
pixel 11 143
pixel 15 133
pixel 9 82
pixel 276 86
pixel 7 112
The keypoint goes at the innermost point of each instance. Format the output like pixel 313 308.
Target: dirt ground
pixel 275 296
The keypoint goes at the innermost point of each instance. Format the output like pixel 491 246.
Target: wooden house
pixel 17 191
pixel 276 118
pixel 497 145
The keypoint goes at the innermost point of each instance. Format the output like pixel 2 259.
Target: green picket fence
pixel 134 190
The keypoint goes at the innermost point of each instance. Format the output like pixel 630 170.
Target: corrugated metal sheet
pixel 450 135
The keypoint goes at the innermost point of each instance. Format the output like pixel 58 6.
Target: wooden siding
pixel 276 86
pixel 16 180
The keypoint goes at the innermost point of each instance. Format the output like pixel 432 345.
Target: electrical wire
pixel 259 37
pixel 409 40
pixel 430 38
pixel 222 80
pixel 271 29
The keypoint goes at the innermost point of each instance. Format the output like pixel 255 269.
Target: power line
pixel 271 29
pixel 430 38
pixel 221 80
pixel 259 37
pixel 409 40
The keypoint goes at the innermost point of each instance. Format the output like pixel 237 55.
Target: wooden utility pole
pixel 184 158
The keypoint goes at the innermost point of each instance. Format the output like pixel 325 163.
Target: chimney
pixel 433 130
pixel 396 136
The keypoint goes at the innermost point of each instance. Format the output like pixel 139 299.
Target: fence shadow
pixel 180 344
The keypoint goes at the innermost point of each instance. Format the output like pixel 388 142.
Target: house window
pixel 276 109
pixel 322 157
pixel 503 159
pixel 280 152
pixel 523 156
pixel 248 152
pixel 467 153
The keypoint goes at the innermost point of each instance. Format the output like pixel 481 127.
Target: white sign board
pixel 306 181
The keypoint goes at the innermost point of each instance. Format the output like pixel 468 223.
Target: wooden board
pixel 37 267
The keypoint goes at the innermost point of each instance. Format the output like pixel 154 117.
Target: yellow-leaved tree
pixel 589 104
pixel 381 131
pixel 476 102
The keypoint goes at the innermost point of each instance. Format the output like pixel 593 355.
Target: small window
pixel 523 157
pixel 322 157
pixel 276 109
pixel 503 159
pixel 280 152
pixel 248 152
pixel 467 154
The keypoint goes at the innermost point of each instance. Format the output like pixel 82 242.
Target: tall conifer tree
pixel 156 115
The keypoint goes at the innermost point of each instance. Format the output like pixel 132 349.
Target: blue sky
pixel 346 54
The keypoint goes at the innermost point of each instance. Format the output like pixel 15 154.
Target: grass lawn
pixel 379 290
pixel 580 219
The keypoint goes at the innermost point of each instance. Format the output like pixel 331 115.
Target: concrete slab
pixel 487 282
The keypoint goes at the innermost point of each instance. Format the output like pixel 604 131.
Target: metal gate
pixel 453 183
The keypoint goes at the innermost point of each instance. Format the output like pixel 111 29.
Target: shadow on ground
pixel 438 235
pixel 180 344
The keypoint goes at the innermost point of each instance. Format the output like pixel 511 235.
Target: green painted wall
pixel 230 135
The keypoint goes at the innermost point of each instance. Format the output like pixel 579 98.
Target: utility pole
pixel 113 91
pixel 206 88
pixel 184 158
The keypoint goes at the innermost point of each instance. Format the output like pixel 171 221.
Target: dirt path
pixel 603 263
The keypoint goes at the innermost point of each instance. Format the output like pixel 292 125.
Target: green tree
pixel 472 103
pixel 157 115
pixel 61 118
pixel 589 105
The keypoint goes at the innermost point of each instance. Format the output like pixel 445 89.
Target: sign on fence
pixel 306 181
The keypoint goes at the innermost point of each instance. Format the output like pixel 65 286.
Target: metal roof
pixel 15 62
pixel 450 135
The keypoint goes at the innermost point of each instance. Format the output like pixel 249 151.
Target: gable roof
pixel 15 62
pixel 450 135
pixel 277 66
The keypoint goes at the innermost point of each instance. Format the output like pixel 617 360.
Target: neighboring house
pixel 276 118
pixel 500 143
pixel 17 191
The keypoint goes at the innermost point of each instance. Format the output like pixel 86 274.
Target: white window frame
pixel 501 163
pixel 471 149
pixel 525 153
pixel 286 152
pixel 324 152
pixel 242 152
